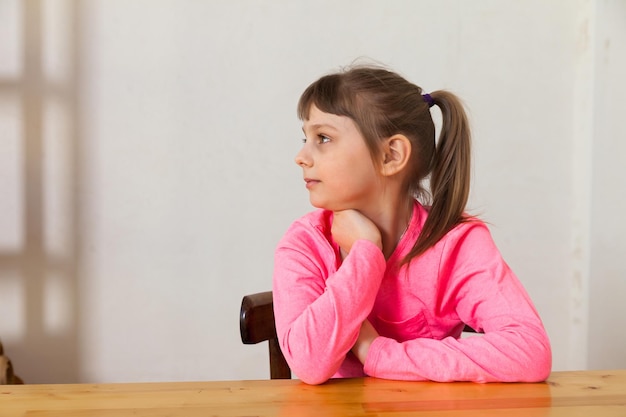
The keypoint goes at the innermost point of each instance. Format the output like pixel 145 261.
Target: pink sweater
pixel 419 310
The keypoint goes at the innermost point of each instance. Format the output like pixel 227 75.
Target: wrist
pixel 361 349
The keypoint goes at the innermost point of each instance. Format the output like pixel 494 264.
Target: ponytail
pixel 450 175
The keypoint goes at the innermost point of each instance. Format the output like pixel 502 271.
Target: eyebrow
pixel 320 126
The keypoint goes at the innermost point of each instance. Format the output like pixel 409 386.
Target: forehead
pixel 319 119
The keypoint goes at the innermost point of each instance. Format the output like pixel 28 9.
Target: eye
pixel 323 139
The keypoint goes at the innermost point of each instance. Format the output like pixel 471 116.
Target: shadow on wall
pixel 39 305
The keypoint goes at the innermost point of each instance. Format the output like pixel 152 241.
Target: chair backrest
pixel 7 376
pixel 256 324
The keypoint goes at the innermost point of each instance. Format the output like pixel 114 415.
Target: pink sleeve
pixel 478 285
pixel 319 311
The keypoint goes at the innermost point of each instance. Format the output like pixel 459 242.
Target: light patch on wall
pixel 57 304
pixel 10 29
pixel 581 187
pixel 12 307
pixel 57 178
pixel 57 53
pixel 11 176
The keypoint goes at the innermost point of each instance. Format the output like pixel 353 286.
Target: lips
pixel 310 182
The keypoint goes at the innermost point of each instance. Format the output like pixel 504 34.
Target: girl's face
pixel 336 163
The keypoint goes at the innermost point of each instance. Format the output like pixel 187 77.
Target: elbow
pixel 538 363
pixel 526 360
pixel 541 367
pixel 310 362
pixel 313 370
pixel 313 379
pixel 536 373
pixel 310 372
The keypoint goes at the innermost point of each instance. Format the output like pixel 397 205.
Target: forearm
pixel 520 354
pixel 318 319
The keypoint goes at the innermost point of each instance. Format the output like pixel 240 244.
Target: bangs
pixel 327 94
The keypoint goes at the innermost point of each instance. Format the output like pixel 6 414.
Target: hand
pixel 350 226
pixel 367 334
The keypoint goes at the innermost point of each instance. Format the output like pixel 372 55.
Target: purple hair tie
pixel 428 99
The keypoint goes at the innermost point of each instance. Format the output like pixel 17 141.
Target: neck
pixel 392 221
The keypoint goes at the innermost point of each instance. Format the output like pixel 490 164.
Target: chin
pixel 321 205
pixel 328 206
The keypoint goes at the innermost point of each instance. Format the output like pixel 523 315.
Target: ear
pixel 396 152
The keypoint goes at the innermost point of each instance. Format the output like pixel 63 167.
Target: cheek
pixel 357 178
pixel 362 166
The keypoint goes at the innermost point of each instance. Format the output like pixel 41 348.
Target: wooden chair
pixel 7 376
pixel 256 324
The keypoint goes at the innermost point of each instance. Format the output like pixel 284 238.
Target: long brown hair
pixel 382 104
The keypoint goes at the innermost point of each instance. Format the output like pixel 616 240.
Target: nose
pixel 303 159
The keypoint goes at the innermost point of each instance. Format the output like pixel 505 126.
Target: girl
pixel 377 283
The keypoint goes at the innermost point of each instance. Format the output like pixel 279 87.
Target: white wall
pixel 607 318
pixel 146 166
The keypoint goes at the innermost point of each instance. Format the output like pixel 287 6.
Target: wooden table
pixel 572 394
